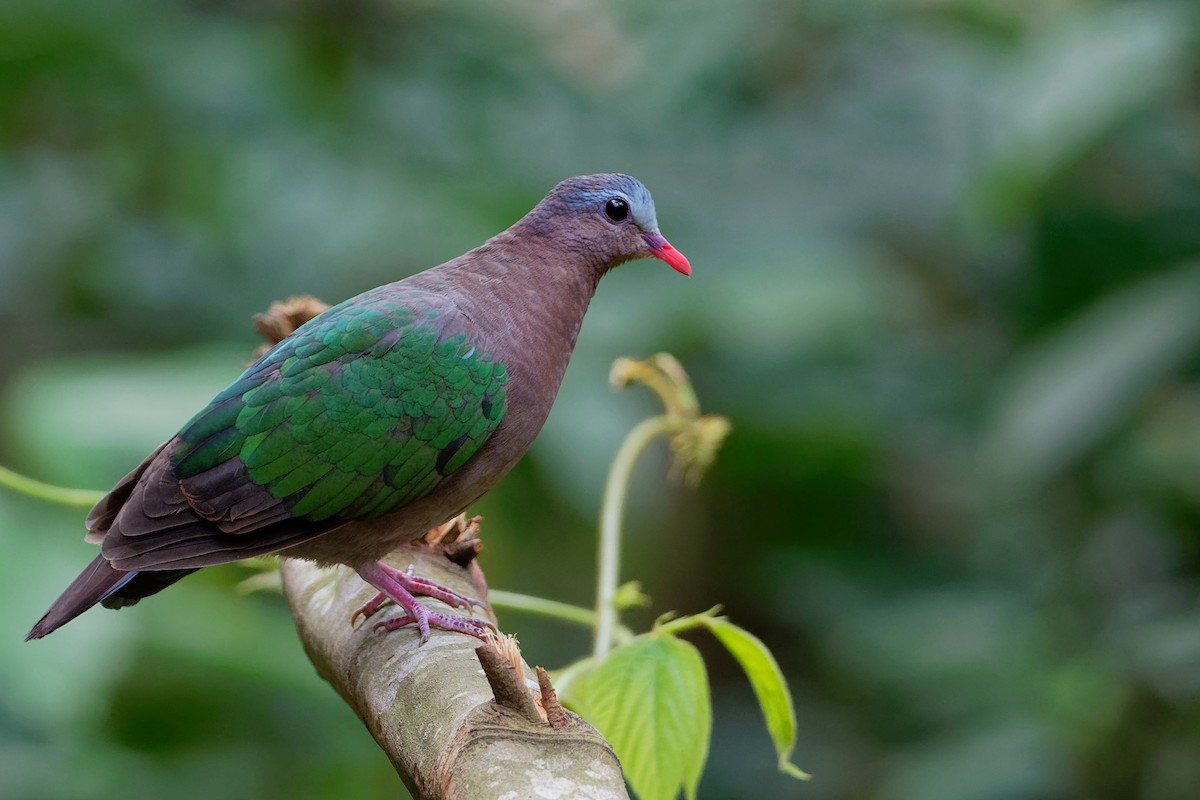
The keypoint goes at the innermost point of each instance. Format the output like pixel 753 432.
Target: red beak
pixel 660 248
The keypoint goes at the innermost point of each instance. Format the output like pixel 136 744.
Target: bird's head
pixel 611 216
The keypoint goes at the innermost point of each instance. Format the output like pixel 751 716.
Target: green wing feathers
pixel 363 410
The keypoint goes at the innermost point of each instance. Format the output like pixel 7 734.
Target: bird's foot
pixel 419 587
pixel 479 628
pixel 402 588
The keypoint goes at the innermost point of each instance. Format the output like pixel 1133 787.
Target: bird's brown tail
pixel 100 582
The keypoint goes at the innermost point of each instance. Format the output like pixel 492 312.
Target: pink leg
pixel 399 587
pixel 421 587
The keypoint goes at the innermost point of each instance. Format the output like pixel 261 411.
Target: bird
pixel 376 420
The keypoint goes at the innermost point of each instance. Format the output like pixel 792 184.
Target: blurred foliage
pixel 945 288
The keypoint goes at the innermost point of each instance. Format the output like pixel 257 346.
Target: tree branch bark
pixel 456 725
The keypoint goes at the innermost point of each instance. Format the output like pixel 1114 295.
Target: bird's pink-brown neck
pixel 530 294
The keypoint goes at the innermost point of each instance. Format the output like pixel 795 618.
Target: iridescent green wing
pixel 363 410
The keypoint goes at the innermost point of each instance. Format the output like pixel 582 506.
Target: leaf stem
pixel 615 490
pixel 690 622
pixel 553 609
pixel 76 498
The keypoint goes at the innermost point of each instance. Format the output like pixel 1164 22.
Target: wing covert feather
pixel 364 409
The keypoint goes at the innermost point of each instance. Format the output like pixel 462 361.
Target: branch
pixel 452 730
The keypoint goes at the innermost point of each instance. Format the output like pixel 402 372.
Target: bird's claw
pixel 403 587
pixel 479 628
pixel 422 587
pixel 368 608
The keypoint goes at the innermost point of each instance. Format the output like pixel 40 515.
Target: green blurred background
pixel 946 287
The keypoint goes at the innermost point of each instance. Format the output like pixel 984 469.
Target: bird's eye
pixel 616 209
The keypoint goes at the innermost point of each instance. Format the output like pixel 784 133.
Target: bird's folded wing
pixel 363 410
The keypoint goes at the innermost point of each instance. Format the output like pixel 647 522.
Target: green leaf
pixel 569 680
pixel 650 700
pixel 630 595
pixel 769 686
